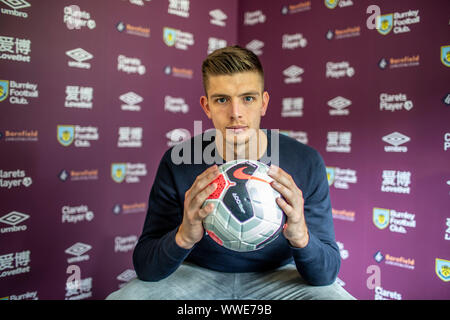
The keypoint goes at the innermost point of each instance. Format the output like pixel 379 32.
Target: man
pixel 175 259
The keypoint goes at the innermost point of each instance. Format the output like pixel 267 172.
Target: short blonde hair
pixel 228 61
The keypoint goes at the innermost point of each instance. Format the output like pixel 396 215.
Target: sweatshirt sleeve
pixel 156 254
pixel 318 262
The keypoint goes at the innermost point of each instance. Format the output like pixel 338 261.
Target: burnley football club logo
pixel 65 135
pixel 118 172
pixel 445 56
pixel 169 36
pixel 443 269
pixel 4 88
pixel 385 23
pixel 331 4
pixel 381 218
pixel 330 175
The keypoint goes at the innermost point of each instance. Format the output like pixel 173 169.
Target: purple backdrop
pixel 93 92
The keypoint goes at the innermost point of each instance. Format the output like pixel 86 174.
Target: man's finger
pixel 203 180
pixel 286 207
pixel 284 191
pixel 200 198
pixel 205 211
pixel 281 176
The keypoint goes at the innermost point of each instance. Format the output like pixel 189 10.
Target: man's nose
pixel 235 109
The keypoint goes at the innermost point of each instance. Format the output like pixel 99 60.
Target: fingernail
pixel 272 169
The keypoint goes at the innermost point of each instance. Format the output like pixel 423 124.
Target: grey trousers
pixel 191 282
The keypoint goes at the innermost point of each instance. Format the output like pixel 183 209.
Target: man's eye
pixel 249 99
pixel 221 100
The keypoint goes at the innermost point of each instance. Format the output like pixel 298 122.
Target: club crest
pixel 384 23
pixel 443 269
pixel 65 135
pixel 4 89
pixel 445 56
pixel 380 217
pixel 118 172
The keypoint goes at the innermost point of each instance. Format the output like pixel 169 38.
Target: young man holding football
pixel 175 259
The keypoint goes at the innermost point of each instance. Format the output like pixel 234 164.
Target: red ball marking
pixel 215 237
pixel 221 184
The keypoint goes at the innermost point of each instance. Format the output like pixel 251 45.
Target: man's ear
pixel 205 106
pixel 265 104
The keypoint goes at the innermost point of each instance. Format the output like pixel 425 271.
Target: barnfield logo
pixel 381 218
pixel 4 89
pixel 445 55
pixel 345 215
pixel 443 269
pixel 385 23
pixel 297 7
pixel 133 30
pixel 65 135
pixel 118 171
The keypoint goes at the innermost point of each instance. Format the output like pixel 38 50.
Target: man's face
pixel 235 104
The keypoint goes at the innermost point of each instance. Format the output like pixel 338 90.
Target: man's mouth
pixel 236 129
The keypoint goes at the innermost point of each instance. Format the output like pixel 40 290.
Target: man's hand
pixel 295 231
pixel 191 229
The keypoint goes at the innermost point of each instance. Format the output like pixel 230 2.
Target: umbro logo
pixel 292 74
pixel 80 56
pixel 395 139
pixel 339 105
pixel 14 218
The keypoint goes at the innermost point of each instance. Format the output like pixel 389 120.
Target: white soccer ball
pixel 246 216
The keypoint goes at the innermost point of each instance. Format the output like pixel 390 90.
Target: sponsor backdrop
pixel 93 92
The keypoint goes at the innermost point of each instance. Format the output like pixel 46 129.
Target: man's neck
pixel 254 149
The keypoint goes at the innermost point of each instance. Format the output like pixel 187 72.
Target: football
pixel 246 216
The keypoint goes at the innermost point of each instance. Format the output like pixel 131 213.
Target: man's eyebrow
pixel 219 95
pixel 250 93
pixel 222 95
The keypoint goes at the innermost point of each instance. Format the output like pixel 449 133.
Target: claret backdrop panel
pixel 93 92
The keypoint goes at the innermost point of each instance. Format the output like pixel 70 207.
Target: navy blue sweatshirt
pixel 157 255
